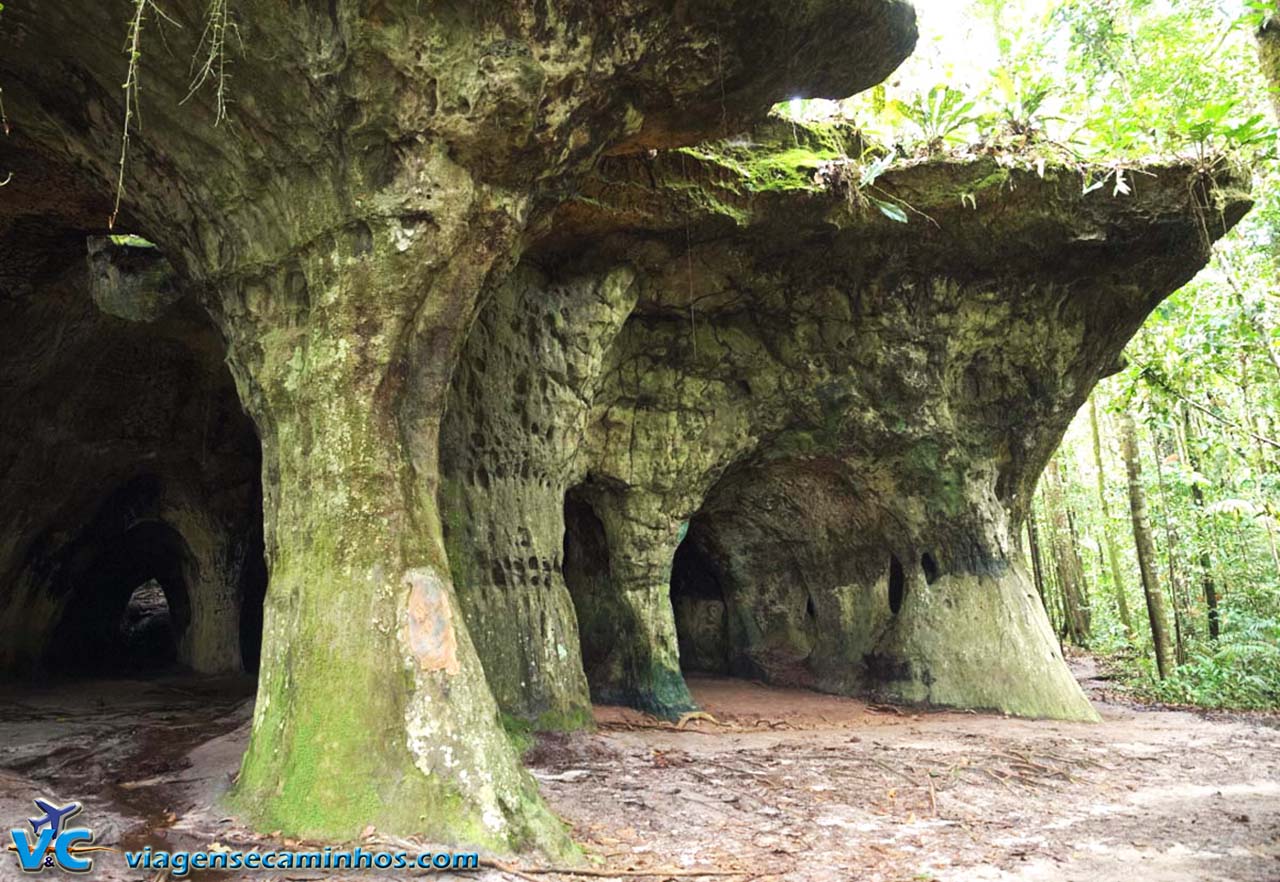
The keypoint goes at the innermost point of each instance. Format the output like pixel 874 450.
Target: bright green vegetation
pixel 1105 84
pixel 1107 80
pixel 785 156
pixel 132 241
pixel 1111 81
pixel 1102 85
pixel 1203 381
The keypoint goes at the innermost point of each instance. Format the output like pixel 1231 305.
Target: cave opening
pixel 586 571
pixel 135 519
pixel 253 595
pixel 146 629
pixel 700 606
pixel 930 567
pixel 127 608
pixel 897 584
pixel 138 598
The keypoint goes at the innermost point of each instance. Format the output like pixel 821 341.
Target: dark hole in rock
pixel 129 599
pixel 144 474
pixel 897 584
pixel 135 595
pixel 930 567
pixel 809 609
pixel 701 612
pixel 587 574
pixel 128 609
pixel 146 629
pixel 362 237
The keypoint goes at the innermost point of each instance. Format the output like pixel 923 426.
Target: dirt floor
pixel 781 785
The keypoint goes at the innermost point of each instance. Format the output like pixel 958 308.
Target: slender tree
pixel 1113 553
pixel 1178 596
pixel 1043 544
pixel 1037 566
pixel 1262 461
pixel 1075 612
pixel 1145 547
pixel 1207 584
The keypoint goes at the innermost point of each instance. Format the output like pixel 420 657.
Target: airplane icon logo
pixel 53 817
pixel 50 844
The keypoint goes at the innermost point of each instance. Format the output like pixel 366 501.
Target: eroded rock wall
pixel 510 446
pixel 812 395
pixel 381 170
pixel 503 360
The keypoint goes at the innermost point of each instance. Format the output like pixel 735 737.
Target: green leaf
pixel 889 210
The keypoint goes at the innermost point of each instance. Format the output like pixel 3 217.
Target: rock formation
pixel 841 417
pixel 529 306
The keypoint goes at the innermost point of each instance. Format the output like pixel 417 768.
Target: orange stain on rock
pixel 431 638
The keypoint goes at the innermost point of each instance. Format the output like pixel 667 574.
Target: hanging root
pixel 133 48
pixel 208 63
pixel 210 59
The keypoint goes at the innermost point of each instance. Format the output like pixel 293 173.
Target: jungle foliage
pixel 1106 83
pixel 1203 376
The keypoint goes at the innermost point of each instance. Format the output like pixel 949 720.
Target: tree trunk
pixel 1171 554
pixel 1075 613
pixel 1037 567
pixel 1145 547
pixel 1252 423
pixel 1046 585
pixel 1113 553
pixel 1207 584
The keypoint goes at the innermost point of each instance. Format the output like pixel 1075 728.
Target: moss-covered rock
pixel 817 397
pixel 375 178
pixel 506 346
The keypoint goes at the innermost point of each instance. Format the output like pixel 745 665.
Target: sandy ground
pixel 781 785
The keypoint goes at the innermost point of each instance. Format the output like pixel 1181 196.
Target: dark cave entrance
pixel 253 594
pixel 700 606
pixel 130 474
pixel 128 606
pixel 897 584
pixel 146 628
pixel 131 603
pixel 585 566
